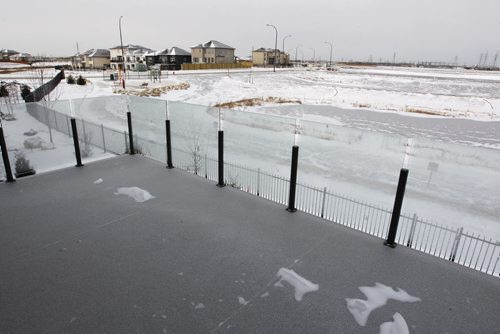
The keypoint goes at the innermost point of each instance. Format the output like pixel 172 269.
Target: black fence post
pixel 396 211
pixel 293 179
pixel 169 144
pixel 77 143
pixel 130 134
pixel 5 156
pixel 221 159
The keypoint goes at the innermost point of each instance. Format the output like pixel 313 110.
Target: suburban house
pixel 25 57
pixel 99 59
pixel 5 54
pixel 264 57
pixel 168 59
pixel 91 59
pixel 212 52
pixel 135 57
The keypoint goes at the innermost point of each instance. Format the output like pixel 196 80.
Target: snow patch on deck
pixel 301 285
pixel 138 194
pixel 398 326
pixel 377 296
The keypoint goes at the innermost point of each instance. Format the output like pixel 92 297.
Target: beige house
pixel 264 57
pixel 99 59
pixel 212 52
pixel 91 59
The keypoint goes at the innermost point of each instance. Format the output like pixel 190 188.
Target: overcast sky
pixel 429 30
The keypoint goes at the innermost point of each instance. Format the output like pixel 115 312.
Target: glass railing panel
pixel 455 185
pixel 37 140
pixel 194 137
pixel 359 164
pixel 148 126
pixel 258 152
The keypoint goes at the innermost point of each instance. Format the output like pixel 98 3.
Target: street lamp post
pixel 284 43
pixel 331 51
pixel 275 44
pixel 314 54
pixel 123 55
pixel 296 50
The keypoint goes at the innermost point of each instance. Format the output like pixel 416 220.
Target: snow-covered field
pixel 450 184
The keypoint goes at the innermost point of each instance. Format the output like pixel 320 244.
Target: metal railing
pixel 455 245
pixel 414 232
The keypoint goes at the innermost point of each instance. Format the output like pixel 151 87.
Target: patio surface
pixel 76 258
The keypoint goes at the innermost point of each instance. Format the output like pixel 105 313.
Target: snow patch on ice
pixel 398 326
pixel 138 194
pixel 301 285
pixel 242 301
pixel 377 296
pixel 199 306
pixel 98 181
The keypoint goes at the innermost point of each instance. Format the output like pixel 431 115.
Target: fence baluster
pixel 455 244
pixel 323 203
pixel 479 254
pixel 474 252
pixel 496 264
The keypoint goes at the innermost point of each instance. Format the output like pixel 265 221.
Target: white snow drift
pixel 138 194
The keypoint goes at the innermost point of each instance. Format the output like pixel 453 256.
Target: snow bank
pixel 138 194
pixel 377 296
pixel 398 326
pixel 301 285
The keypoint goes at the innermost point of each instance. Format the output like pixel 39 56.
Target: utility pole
pixel 296 50
pixel 495 60
pixel 485 60
pixel 284 43
pixel 331 51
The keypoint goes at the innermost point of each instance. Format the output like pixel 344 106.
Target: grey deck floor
pixel 76 258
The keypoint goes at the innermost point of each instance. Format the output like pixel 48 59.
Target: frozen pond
pixel 449 130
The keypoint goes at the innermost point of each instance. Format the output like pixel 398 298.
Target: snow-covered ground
pixel 44 148
pixel 450 184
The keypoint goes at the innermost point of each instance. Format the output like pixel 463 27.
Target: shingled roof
pixel 213 44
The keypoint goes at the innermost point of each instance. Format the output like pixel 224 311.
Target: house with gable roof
pixel 135 57
pixel 168 59
pixel 264 57
pixel 91 59
pixel 212 52
pixel 5 54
